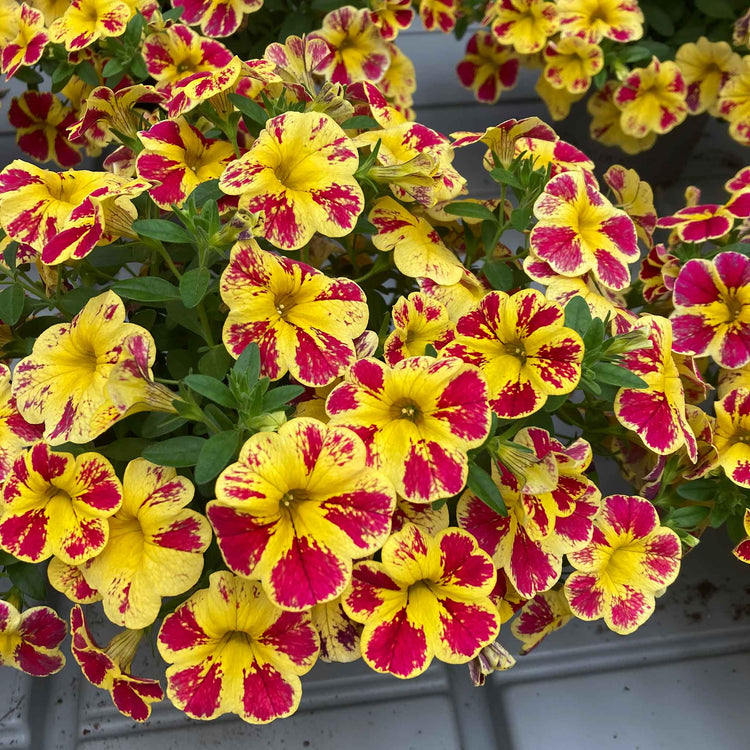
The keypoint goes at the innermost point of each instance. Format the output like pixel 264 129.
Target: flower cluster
pixel 275 389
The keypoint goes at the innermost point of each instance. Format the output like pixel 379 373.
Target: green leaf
pixel 659 20
pixel 499 274
pixel 481 484
pixel 505 177
pixel 577 315
pixel 179 452
pixel 87 73
pixel 471 211
pixel 280 396
pixel 157 424
pixel 216 453
pixel 114 67
pixel 248 363
pixel 616 375
pixel 194 285
pixel 249 108
pixel 173 14
pixel 75 300
pixel 716 8
pixel 636 53
pixel 212 389
pixel 11 304
pixel 29 579
pixel 553 403
pixel 7 559
pixel 699 490
pixel 164 231
pixel 689 517
pixel 519 218
pixel 215 362
pixel 358 122
pixel 147 289
pixel 662 51
pixel 206 191
pixel 124 449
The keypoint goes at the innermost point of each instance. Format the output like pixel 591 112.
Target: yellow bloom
pixel 605 122
pixel 619 20
pixel 85 21
pixel 15 432
pixel 558 101
pixel 419 321
pixel 706 67
pixel 732 429
pixel 734 103
pixel 523 24
pixel 571 63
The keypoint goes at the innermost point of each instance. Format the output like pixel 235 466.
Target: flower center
pixel 292 498
pixel 623 562
pixel 515 349
pixel 734 308
pixel 406 409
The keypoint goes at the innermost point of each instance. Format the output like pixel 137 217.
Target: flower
pixel 523 349
pixel 42 121
pixel 619 20
pixel 488 68
pixel 550 505
pixel 64 381
pixel 400 82
pixel 578 230
pixel 657 412
pixel 742 550
pixel 57 504
pixel 299 58
pixel 391 16
pixel 439 14
pixel 298 177
pixel 428 598
pixel 30 641
pixel 699 223
pixel 492 658
pixel 216 18
pixel 232 651
pixel 558 101
pixel 86 21
pixel 15 432
pixel 523 24
pixel 27 47
pixel 69 580
pixel 155 546
pixel 359 51
pixel 558 155
pixel 109 668
pixel 732 429
pixel 630 558
pixel 635 197
pixel 741 31
pixel 458 298
pixel 417 419
pixel 546 612
pixel 418 321
pixel 303 321
pixel 177 157
pixel 571 63
pixel 605 124
pixel 734 102
pixel 297 508
pixel 418 250
pixel 712 309
pixel 659 270
pixel 706 66
pixel 652 99
pixel 339 635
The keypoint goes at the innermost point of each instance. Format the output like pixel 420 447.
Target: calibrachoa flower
pixel 579 230
pixel 15 432
pixel 659 271
pixel 42 121
pixel 400 82
pixel 391 16
pixel 359 50
pixel 298 59
pixel 546 612
pixel 428 598
pixel 155 545
pixel 109 668
pixel 558 101
pixel 216 18
pixel 438 14
pixel 297 508
pixel 231 650
pixel 523 24
pixel 58 504
pixel 339 634
pixel 605 125
pixel 426 517
pixel 85 21
pixel 550 505
pixel 652 99
pixel 742 550
pixel 706 66
pixel 303 321
pixel 656 413
pixel 298 176
pixel 28 46
pixel 63 382
pixel 177 157
pixel 523 349
pixel 734 102
pixel 699 223
pixel 731 437
pixel 488 68
pixel 417 419
pixel 630 558
pixel 619 20
pixel 571 63
pixel 558 155
pixel 418 250
pixel 418 321
pixel 69 580
pixel 635 197
pixel 712 309
pixel 458 298
pixel 30 641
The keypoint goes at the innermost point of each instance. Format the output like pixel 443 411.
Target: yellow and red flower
pixel 525 25
pixel 391 16
pixel 27 47
pixel 69 580
pixel 571 63
pixel 731 437
pixel 86 21
pixel 606 127
pixel 635 197
pixel 558 155
pixel 339 634
pixel 558 101
pixel 109 668
pixel 57 504
pixel 578 231
pixel 618 20
pixel 298 177
pixel 417 419
pixel 712 309
pixel 231 650
pixel 297 508
pixel 298 59
pixel 630 558
pixel 659 271
pixel 30 640
pixel 458 298
pixel 734 102
pixel 656 413
pixel 418 321
pixel 699 223
pixel 488 68
pixel 155 546
pixel 400 82
pixel 216 18
pixel 742 550
pixel 15 432
pixel 438 14
pixel 706 66
pixel 546 612
pixel 652 99
pixel 303 321
pixel 428 598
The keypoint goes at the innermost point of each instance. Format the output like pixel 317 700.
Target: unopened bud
pixel 492 658
pixel 267 422
pixel 330 100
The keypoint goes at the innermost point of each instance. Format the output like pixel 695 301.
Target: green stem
pixel 205 326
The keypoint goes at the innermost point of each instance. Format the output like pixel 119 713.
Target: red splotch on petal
pixel 25 535
pixel 38 663
pixel 397 646
pixel 585 598
pixel 460 566
pixel 242 538
pixel 266 694
pixel 629 608
pixel 197 689
pixel 530 568
pixel 430 469
pixel 41 627
pixel 466 628
pixel 128 695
